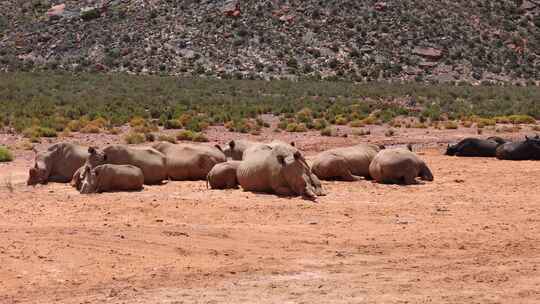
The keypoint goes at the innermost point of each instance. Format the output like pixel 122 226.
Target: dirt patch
pixel 471 236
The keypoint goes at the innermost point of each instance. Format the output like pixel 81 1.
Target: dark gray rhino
pixel 475 147
pixel 529 149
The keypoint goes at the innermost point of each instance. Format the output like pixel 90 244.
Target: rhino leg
pixel 284 191
pixel 409 179
pixel 58 179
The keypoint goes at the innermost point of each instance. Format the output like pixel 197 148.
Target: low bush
pixel 521 119
pixel 167 138
pixel 450 125
pixel 5 154
pixel 328 131
pixel 134 138
pixel 361 132
pixel 185 135
pixel 356 123
pixel 172 124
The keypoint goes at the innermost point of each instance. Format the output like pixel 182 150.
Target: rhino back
pixel 149 160
pixel 119 177
pixel 68 158
pixel 254 172
pixel 394 163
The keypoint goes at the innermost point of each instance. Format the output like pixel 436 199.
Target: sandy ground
pixel 471 236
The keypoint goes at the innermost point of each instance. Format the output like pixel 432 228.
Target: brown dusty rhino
pixel 149 160
pixel 346 164
pixel 190 161
pixel 399 166
pixel 57 164
pixel 223 175
pixel 278 169
pixel 110 177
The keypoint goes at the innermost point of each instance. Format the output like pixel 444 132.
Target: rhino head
pixel 89 181
pixel 450 150
pixel 37 175
pixel 297 174
pixel 95 158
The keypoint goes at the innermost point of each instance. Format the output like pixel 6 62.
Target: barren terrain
pixel 471 236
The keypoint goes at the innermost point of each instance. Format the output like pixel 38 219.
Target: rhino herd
pixel 275 167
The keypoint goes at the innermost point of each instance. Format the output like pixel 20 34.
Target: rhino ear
pixel 218 147
pixel 281 159
pixel 91 150
pixel 382 147
pixel 293 144
pixel 232 144
pixel 409 146
pixel 297 155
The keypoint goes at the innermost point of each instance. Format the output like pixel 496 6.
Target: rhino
pixel 399 166
pixel 475 147
pixel 279 169
pixel 57 164
pixel 223 175
pixel 235 148
pixel 152 162
pixel 190 161
pixel 109 177
pixel 346 164
pixel 529 149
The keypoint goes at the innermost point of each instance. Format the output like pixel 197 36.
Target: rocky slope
pixel 350 39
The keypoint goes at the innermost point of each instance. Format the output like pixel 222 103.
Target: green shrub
pixel 5 154
pixel 320 124
pixel 168 138
pixel 370 120
pixel 199 137
pixel 36 132
pixel 134 138
pixel 521 119
pixel 450 125
pixel 361 132
pixel 185 135
pixel 356 123
pixel 172 124
pixel 341 120
pixel 328 131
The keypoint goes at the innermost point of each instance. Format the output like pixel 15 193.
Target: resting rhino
pixel 223 175
pixel 190 161
pixel 235 148
pixel 529 149
pixel 110 177
pixel 399 166
pixel 475 147
pixel 149 160
pixel 347 163
pixel 57 164
pixel 280 169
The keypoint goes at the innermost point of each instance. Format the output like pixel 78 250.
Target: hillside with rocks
pixel 435 41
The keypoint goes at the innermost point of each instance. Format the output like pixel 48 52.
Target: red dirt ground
pixel 471 236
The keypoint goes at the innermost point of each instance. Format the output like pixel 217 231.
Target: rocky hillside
pixel 447 40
